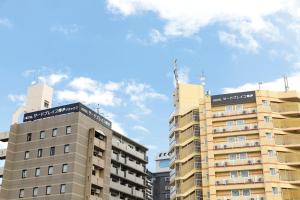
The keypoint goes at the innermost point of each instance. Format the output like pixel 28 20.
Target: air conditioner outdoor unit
pixel 259 180
pixel 255 126
pixel 215 115
pixel 256 143
pixel 218 182
pixel 249 161
pixel 244 112
pixel 225 163
pixel 224 129
pixel 215 130
pixel 254 111
pixel 252 199
pixel 97 191
pixel 217 164
pixel 225 146
pixel 246 128
pixel 250 180
pixel 258 161
pixel 216 146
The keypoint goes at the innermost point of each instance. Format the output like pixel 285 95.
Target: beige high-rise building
pixel 71 152
pixel 238 146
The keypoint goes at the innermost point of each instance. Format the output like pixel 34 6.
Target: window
pixel 52 151
pixel 46 104
pixel 35 192
pixel 50 170
pixel 62 188
pixel 40 153
pixel 66 148
pixel 229 108
pixel 240 122
pixel 233 174
pixel 275 190
pixel 68 130
pixel 265 103
pixel 239 107
pixel 48 190
pixel 54 132
pixel 42 135
pixel 243 156
pixel 273 171
pixel 267 119
pixel 64 168
pixel 26 155
pixel 246 192
pixel 269 135
pixel 244 173
pixel 24 173
pixel 241 138
pixel 232 156
pixel 231 139
pixel 29 137
pixel 235 193
pixel 37 172
pixel 230 123
pixel 21 193
pixel 270 153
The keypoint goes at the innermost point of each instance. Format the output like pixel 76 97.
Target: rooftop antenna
pixel 98 108
pixel 202 78
pixel 286 83
pixel 259 85
pixel 175 71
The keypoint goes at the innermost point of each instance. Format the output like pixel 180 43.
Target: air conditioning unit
pixel 259 180
pixel 252 199
pixel 216 146
pixel 225 164
pixel 225 146
pixel 97 191
pixel 217 164
pixel 255 126
pixel 225 182
pixel 215 130
pixel 254 111
pixel 215 115
pixel 249 161
pixel 247 144
pixel 218 182
pixel 224 129
pixel 246 127
pixel 256 143
pixel 250 180
pixel 262 198
pixel 258 161
pixel 244 111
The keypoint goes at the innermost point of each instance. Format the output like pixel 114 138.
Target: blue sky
pixel 119 54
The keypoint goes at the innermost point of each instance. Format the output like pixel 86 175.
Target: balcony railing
pixel 128 149
pixel 2 153
pixel 190 183
pixel 172 141
pixel 290 194
pixel 172 192
pixel 189 166
pixel 289 139
pixel 289 175
pixel 193 147
pixel 189 133
pixel 288 157
pixel 251 161
pixel 239 180
pixel 286 107
pixel 229 145
pixel 287 123
pixel 234 112
pixel 245 127
pixel 250 197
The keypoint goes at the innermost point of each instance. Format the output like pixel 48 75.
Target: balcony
pixel 92 197
pixel 99 143
pixel 231 145
pixel 1 171
pixel 286 108
pixel 4 136
pixel 191 182
pixel 138 193
pixel 126 148
pixel 119 187
pixel 172 192
pixel 133 165
pixel 172 157
pixel 189 166
pixel 97 181
pixel 251 197
pixel 245 127
pixel 2 154
pixel 239 180
pixel 290 175
pixel 192 116
pixel 225 163
pixel 189 133
pixel 289 158
pixel 134 178
pixel 172 142
pixel 290 140
pixel 172 174
pixel 290 194
pixel 193 147
pixel 292 124
pixel 234 112
pixel 98 162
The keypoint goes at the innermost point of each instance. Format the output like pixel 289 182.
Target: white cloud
pixel 133 116
pixel 20 99
pixel 156 36
pixel 52 79
pixel 275 85
pixel 249 19
pixel 183 75
pixel 66 29
pixel 249 43
pixel 140 128
pixel 5 23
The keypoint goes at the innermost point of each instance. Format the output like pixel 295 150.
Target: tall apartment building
pixel 238 146
pixel 71 152
pixel 161 177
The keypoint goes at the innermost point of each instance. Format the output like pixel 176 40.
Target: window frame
pixel 52 170
pixel 42 135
